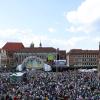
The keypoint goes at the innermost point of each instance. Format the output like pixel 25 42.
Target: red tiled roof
pixel 13 46
pixel 73 51
pixel 62 51
pixel 37 50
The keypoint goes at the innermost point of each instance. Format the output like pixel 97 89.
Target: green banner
pixel 50 57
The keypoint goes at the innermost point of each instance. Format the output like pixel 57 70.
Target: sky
pixel 63 24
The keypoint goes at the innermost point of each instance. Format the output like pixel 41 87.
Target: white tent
pixel 87 70
pixel 47 67
pixel 17 74
pixel 19 67
pixel 16 77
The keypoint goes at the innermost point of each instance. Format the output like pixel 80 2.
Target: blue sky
pixel 64 24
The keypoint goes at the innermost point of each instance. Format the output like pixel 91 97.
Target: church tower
pixel 32 45
pixel 40 44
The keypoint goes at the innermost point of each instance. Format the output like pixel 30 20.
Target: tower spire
pixel 40 44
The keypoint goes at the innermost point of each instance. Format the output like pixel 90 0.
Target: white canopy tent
pixel 17 74
pixel 47 67
pixel 87 70
pixel 19 67
pixel 16 77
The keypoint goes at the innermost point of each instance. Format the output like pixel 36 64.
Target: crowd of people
pixel 39 85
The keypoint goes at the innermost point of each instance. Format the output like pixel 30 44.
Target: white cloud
pixel 96 39
pixel 85 15
pixel 87 12
pixel 19 35
pixel 70 43
pixel 6 32
pixel 26 36
pixel 76 29
pixel 74 40
pixel 51 30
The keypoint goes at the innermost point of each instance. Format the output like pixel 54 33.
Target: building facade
pixel 10 48
pixel 16 53
pixel 3 58
pixel 45 53
pixel 38 52
pixel 82 58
